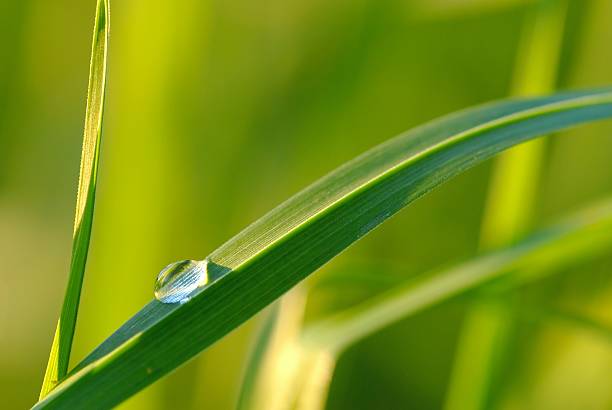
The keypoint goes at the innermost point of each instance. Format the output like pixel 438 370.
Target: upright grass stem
pixel 59 357
pixel 508 215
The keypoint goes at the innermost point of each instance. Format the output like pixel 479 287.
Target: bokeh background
pixel 219 110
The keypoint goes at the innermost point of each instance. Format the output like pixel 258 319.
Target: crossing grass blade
pixel 59 357
pixel 584 235
pixel 293 240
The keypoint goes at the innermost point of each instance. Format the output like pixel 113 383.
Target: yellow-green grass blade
pixel 582 236
pixel 272 255
pixel 59 357
pixel 256 358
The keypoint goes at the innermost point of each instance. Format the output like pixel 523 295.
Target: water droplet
pixel 177 282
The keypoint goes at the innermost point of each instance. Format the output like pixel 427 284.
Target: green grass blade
pixel 289 243
pixel 584 235
pixel 59 358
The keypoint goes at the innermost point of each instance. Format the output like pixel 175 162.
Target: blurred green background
pixel 219 110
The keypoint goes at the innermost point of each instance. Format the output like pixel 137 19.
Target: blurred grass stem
pixel 508 215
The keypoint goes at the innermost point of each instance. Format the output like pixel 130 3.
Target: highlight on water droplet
pixel 177 282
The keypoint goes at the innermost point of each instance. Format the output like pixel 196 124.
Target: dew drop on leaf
pixel 177 282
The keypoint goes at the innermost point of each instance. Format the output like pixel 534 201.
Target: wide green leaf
pixel 293 240
pixel 62 341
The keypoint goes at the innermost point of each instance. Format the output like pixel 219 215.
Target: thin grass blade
pixel 586 234
pixel 59 358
